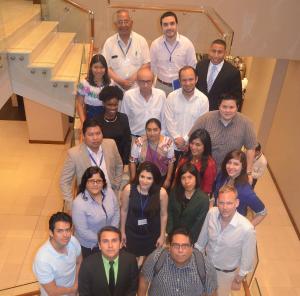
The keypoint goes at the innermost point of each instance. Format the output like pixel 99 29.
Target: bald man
pixel 143 102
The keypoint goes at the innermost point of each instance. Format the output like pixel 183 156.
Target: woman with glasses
pixel 144 212
pixel 95 206
pixel 156 148
pixel 188 205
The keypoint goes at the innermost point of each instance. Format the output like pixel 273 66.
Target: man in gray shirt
pixel 229 130
pixel 181 270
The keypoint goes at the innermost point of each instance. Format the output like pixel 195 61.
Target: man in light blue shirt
pixel 57 262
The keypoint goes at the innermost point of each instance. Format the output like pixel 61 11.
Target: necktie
pixel 211 78
pixel 111 278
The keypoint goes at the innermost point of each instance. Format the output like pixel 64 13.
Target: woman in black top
pixel 114 124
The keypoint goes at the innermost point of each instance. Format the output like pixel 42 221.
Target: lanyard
pixel 127 49
pixel 94 161
pixel 170 52
pixel 102 205
pixel 143 204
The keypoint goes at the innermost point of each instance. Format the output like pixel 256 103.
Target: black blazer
pixel 227 81
pixel 92 279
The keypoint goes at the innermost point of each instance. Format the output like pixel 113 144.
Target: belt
pixel 224 270
pixel 137 136
pixel 165 83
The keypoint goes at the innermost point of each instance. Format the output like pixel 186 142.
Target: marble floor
pixel 29 194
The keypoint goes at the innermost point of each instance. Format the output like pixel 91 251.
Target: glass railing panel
pixel 200 24
pixel 70 18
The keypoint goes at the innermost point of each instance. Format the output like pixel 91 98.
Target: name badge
pixel 142 222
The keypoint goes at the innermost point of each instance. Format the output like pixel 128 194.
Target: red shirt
pixel 209 175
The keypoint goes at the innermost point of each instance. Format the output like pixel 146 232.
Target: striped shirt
pixel 238 133
pixel 177 281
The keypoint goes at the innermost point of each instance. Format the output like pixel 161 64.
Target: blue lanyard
pixel 170 52
pixel 128 47
pixel 94 161
pixel 143 204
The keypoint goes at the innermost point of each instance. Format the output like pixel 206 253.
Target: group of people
pixel 190 182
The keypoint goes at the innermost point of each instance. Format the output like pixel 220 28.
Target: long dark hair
pixel 241 156
pixel 98 58
pixel 154 191
pixel 179 189
pixel 204 137
pixel 89 172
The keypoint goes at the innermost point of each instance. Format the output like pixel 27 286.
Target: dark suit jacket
pixel 227 81
pixel 92 279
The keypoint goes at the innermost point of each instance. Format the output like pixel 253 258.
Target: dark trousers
pixel 88 251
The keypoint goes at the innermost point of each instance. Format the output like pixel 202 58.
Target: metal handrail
pixel 92 24
pixel 157 8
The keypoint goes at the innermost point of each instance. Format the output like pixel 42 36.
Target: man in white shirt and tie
pixel 229 240
pixel 216 76
pixel 170 52
pixel 182 108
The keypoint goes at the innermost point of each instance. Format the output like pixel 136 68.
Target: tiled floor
pixel 29 194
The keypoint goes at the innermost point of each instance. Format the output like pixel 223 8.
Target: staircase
pixel 44 65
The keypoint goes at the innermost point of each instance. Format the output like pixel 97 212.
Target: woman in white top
pixel 88 104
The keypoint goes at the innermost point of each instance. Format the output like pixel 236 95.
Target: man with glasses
pixel 56 264
pixel 216 76
pixel 180 270
pixel 93 151
pixel 125 52
pixel 111 271
pixel 229 241
pixel 170 52
pixel 143 102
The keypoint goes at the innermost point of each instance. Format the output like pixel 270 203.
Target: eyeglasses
pixel 182 246
pixel 145 81
pixel 95 182
pixel 125 22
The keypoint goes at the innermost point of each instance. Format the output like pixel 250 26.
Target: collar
pixel 177 38
pixel 93 153
pixel 106 261
pixel 53 251
pixel 219 66
pixel 229 122
pixel 122 42
pixel 234 220
pixel 187 265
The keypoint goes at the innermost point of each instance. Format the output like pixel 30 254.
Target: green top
pixel 107 267
pixel 192 217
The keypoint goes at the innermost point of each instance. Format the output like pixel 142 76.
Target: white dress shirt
pixel 218 69
pixel 167 63
pixel 232 247
pixel 181 113
pixel 139 110
pixel 97 159
pixel 126 59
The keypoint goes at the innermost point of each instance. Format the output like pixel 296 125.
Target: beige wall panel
pixel 262 28
pixel 283 144
pixel 260 77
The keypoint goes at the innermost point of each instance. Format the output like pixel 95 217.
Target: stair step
pixel 54 52
pixel 14 26
pixel 35 41
pixel 69 70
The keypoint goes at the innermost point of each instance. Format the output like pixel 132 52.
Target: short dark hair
pixel 153 120
pixel 59 217
pixel 166 14
pixel 90 122
pixel 110 92
pixel 89 172
pixel 227 97
pixel 182 231
pixel 220 42
pixel 110 229
pixel 186 68
pixel 258 147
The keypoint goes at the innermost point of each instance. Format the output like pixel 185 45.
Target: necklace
pixel 111 120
